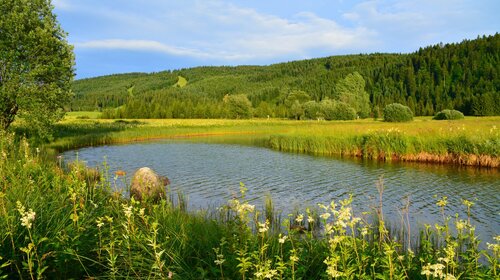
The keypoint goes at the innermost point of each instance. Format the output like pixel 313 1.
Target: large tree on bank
pixel 36 64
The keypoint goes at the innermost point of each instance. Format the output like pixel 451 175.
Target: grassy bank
pixel 472 141
pixel 60 223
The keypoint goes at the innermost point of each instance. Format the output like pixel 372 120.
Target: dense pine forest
pixel 463 76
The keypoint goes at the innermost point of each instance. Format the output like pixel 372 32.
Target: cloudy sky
pixel 118 36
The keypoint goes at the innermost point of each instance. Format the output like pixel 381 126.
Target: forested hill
pixel 463 76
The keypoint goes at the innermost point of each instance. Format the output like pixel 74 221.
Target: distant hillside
pixel 463 76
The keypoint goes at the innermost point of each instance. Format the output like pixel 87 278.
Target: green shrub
pixel 238 106
pixel 449 115
pixel 343 111
pixel 333 110
pixel 312 110
pixel 396 112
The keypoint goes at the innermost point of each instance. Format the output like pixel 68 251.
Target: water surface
pixel 209 175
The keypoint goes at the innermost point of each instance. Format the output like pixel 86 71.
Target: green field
pixel 181 82
pixel 82 115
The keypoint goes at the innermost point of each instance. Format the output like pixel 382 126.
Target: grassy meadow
pixel 473 141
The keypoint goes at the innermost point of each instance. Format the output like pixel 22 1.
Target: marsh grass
pixel 471 141
pixel 82 115
pixel 61 223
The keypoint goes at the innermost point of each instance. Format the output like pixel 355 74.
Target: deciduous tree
pixel 36 64
pixel 351 90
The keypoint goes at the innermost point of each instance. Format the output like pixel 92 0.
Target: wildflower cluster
pixel 495 247
pixel 282 238
pixel 436 271
pixel 263 227
pixel 241 208
pixel 27 217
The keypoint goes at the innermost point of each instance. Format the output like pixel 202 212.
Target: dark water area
pixel 209 174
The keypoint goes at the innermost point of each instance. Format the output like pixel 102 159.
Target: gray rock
pixel 148 185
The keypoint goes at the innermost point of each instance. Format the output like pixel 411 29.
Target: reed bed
pixel 62 222
pixel 472 141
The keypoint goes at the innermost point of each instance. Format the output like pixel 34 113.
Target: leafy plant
pixel 449 115
pixel 396 112
pixel 36 65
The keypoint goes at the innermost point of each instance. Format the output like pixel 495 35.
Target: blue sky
pixel 119 36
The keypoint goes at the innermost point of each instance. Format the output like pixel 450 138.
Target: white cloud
pixel 147 45
pixel 409 24
pixel 393 16
pixel 62 5
pixel 218 30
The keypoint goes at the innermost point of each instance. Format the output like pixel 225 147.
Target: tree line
pixel 462 76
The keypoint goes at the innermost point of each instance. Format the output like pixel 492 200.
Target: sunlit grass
pixel 471 141
pixel 82 115
pixel 181 82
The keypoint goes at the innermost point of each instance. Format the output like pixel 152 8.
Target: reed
pixel 471 141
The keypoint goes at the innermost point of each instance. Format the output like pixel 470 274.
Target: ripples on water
pixel 209 175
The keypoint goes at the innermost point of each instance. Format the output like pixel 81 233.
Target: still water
pixel 209 175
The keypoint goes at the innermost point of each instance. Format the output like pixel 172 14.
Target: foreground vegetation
pixel 69 222
pixel 470 141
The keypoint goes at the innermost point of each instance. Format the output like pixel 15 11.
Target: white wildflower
pixel 282 239
pixel 245 207
pixel 264 227
pixel 270 273
pixel 127 210
pixel 450 277
pixel 310 219
pixel 299 218
pixel 426 270
pixel 27 217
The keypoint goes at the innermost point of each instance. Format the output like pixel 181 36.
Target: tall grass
pixel 472 141
pixel 394 144
pixel 65 222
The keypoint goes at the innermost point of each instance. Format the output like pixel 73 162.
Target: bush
pixel 333 110
pixel 396 112
pixel 312 110
pixel 238 106
pixel 343 111
pixel 449 115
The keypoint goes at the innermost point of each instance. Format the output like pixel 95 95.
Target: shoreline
pixel 385 142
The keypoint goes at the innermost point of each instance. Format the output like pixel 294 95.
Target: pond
pixel 210 174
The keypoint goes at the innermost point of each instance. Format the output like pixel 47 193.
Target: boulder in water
pixel 147 185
